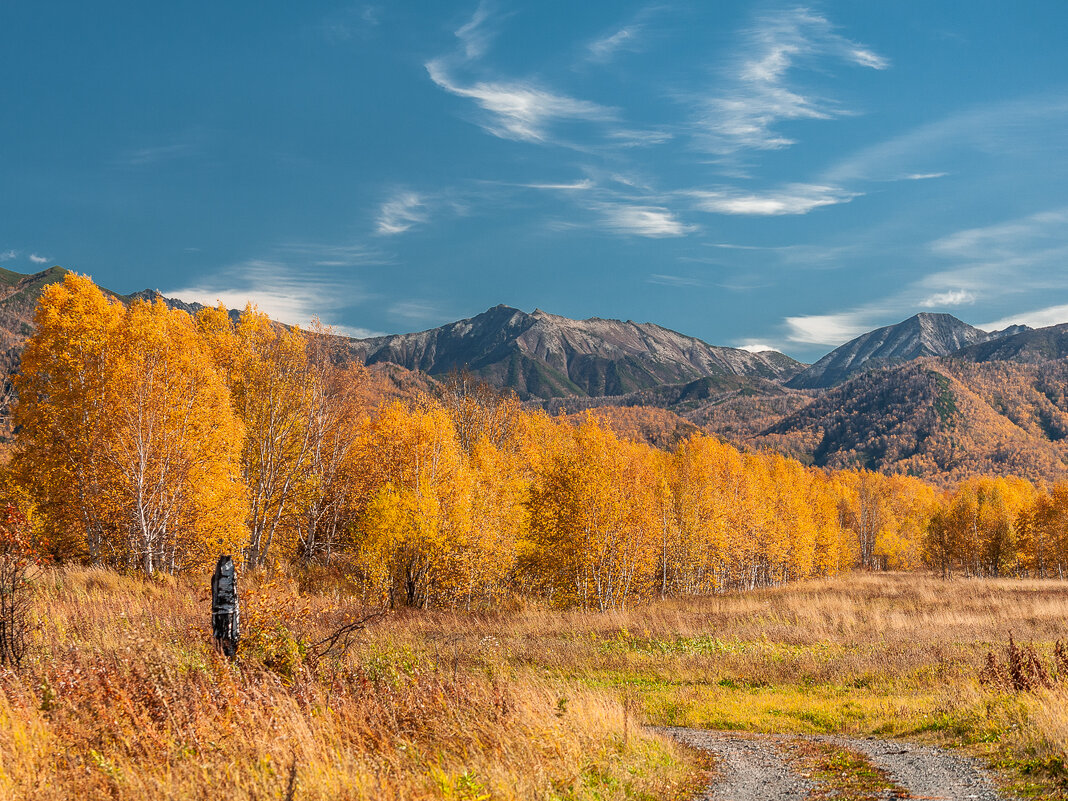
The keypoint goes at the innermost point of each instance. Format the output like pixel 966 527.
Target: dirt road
pixel 767 768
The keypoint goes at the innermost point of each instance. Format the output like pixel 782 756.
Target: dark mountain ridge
pixel 542 355
pixel 1023 345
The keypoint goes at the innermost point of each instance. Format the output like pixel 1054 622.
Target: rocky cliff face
pixel 544 355
pixel 921 335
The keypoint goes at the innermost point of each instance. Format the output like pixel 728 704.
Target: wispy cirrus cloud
pixel 274 287
pixel 401 212
pixel 354 21
pixel 294 283
pixel 828 329
pixel 314 254
pixel 574 186
pixel 605 48
pixel 1010 238
pixel 648 221
pixel 626 137
pixel 520 110
pixel 1022 127
pixel 1022 258
pixel 681 281
pixel 760 92
pixel 477 33
pixel 406 209
pixel 629 36
pixel 789 199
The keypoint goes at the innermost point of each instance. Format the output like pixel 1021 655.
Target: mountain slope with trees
pixel 936 418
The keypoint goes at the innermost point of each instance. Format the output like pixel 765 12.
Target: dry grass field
pixel 124 698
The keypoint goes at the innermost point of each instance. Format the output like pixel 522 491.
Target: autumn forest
pixel 152 440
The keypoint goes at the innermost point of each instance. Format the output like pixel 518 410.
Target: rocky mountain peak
pixel 923 334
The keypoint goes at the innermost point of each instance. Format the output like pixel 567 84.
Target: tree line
pixel 148 439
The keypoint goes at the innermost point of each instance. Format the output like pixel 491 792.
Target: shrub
pixel 19 556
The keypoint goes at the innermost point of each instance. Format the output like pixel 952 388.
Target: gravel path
pixel 752 767
pixel 925 771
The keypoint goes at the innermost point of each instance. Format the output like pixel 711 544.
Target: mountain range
pixel 542 355
pixel 931 396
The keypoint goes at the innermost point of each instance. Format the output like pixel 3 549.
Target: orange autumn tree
pixel 128 448
pixel 174 443
pixel 61 418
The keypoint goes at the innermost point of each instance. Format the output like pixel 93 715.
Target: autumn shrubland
pixel 520 592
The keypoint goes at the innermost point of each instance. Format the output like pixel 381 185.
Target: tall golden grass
pixel 124 697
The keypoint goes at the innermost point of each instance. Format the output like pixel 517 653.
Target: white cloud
pixel 475 34
pixel 276 288
pixel 760 94
pixel 401 212
pixel 790 199
pixel 1036 318
pixel 604 49
pixel 577 186
pixel 757 347
pixel 625 137
pixel 955 297
pixel 924 176
pixel 828 329
pixel 519 110
pixel 650 221
pixel 8 255
pixel 675 280
pixel 356 332
pixel 38 259
pixel 628 37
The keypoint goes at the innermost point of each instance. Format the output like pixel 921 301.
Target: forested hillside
pixel 944 419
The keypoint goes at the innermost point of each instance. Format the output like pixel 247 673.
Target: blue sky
pixel 754 174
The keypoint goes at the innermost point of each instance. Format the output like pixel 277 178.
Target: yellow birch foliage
pixel 417 524
pixel 61 416
pixel 128 446
pixel 174 443
pixel 593 520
